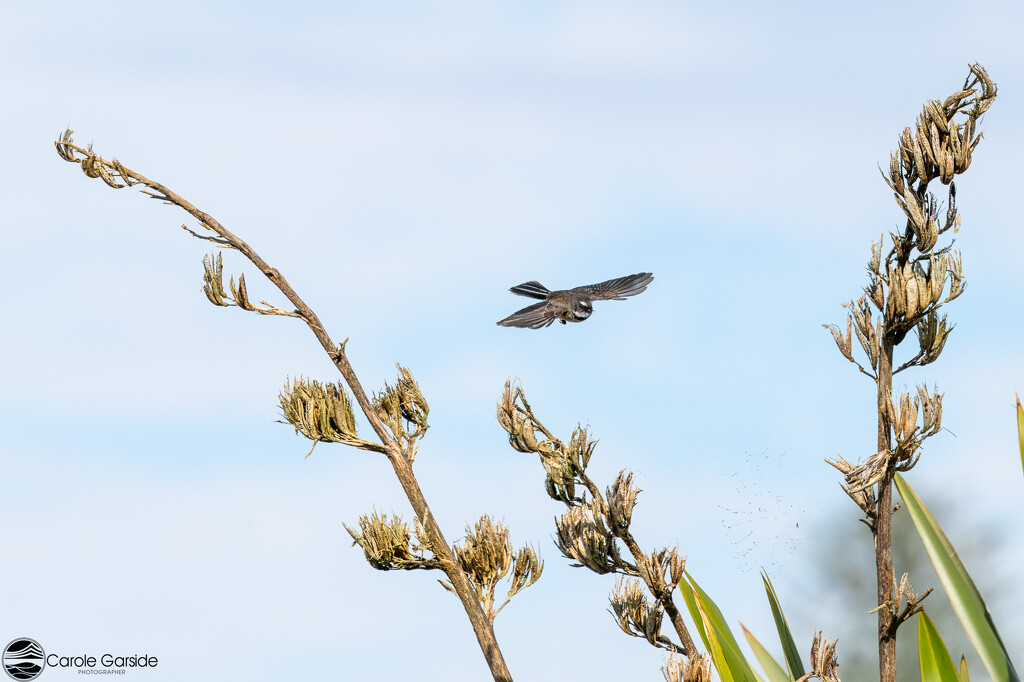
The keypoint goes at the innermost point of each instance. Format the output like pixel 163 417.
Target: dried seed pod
pixel 928 236
pixel 953 139
pixel 924 142
pixel 912 297
pixel 581 536
pixel 937 275
pixel 954 101
pixel 937 114
pixel 635 614
pixel 581 449
pixel 874 265
pixel 386 543
pixel 322 413
pixel 897 292
pixel 913 210
pixel 485 556
pixel 621 497
pixel 920 163
pixel 843 343
pixel 924 290
pixel 64 149
pixel 877 295
pixel 895 175
pixel 964 147
pixel 527 568
pixel 932 334
pixel 910 418
pixel 824 664
pixel 947 167
pixel 698 669
pixel 935 143
pixel 907 146
pixel 956 279
pixel 876 345
pixel 90 167
pixel 412 404
pixel 891 413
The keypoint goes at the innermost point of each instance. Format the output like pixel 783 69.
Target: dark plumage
pixel 571 305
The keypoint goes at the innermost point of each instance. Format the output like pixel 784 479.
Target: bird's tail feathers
pixel 531 289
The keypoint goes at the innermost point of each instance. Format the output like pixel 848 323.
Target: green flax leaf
pixel 936 664
pixel 725 651
pixel 772 669
pixel 963 595
pixel 796 667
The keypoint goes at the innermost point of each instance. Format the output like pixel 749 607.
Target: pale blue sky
pixel 403 167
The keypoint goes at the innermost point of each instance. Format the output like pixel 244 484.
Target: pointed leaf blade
pixel 793 662
pixel 771 668
pixel 728 661
pixel 963 595
pixel 718 632
pixel 691 606
pixel 936 663
pixel 715 648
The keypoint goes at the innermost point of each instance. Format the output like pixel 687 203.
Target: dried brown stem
pixel 654 580
pixel 662 592
pixel 587 533
pixel 882 523
pixel 117 175
pixel 906 287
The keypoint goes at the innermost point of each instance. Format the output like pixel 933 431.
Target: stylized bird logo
pixel 571 305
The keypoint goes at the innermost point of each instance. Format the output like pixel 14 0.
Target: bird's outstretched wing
pixel 533 316
pixel 618 289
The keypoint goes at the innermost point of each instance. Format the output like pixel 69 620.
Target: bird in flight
pixel 571 305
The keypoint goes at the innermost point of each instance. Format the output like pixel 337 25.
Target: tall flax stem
pixel 882 528
pixel 907 287
pixel 117 175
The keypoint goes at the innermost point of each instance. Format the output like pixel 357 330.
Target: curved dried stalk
pixel 118 176
pixel 590 530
